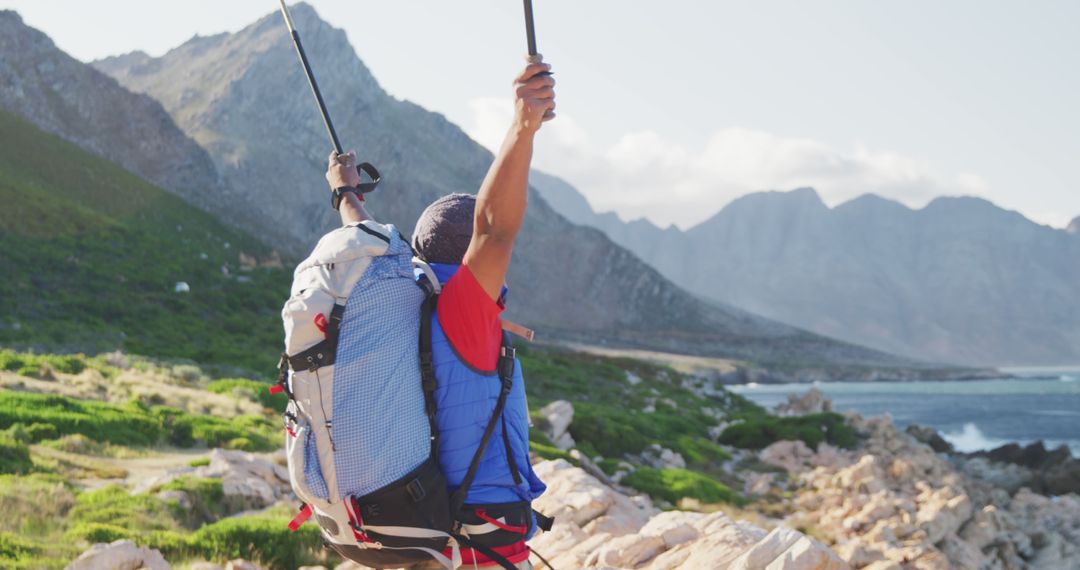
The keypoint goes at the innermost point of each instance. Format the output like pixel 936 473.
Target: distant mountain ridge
pixel 243 97
pixel 960 280
pixel 66 97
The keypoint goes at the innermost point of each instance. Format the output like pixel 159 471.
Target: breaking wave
pixel 970 439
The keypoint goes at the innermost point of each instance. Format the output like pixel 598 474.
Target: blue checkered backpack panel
pixel 312 470
pixel 380 428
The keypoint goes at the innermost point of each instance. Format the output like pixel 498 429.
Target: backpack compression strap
pixel 427 368
pixel 323 353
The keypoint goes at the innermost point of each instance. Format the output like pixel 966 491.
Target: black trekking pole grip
pixel 534 55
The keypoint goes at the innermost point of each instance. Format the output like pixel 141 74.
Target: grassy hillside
pixel 90 255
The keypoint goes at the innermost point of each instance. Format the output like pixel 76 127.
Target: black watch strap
pixel 339 194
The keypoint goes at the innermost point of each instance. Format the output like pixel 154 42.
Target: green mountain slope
pixel 90 255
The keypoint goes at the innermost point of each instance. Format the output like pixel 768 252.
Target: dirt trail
pixel 129 472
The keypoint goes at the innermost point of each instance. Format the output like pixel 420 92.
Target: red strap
pixel 276 389
pixel 305 514
pixel 320 322
pixel 290 430
pixel 513 553
pixel 484 516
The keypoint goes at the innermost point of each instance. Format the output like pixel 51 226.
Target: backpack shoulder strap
pixel 505 367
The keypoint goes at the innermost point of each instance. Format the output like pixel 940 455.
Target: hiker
pixel 467 240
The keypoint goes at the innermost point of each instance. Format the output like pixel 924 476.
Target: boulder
pixel 674 527
pixel 812 402
pixel 662 458
pixel 791 456
pixel 180 497
pixel 929 436
pixel 119 555
pixel 788 549
pixel 240 564
pixel 598 527
pixel 626 551
pixel 559 415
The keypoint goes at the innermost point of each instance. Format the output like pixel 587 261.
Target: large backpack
pixel 361 438
pixel 360 435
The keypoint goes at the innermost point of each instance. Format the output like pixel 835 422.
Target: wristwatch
pixel 363 188
pixel 339 194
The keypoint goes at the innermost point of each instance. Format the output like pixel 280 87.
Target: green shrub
pixel 249 390
pixel 608 465
pixel 674 484
pixel 94 533
pixel 28 364
pixel 200 462
pixel 550 452
pixel 206 496
pixel 757 431
pixel 114 507
pixel 14 457
pixel 265 539
pixel 16 552
pixel 699 451
pixel 133 423
pixel 96 420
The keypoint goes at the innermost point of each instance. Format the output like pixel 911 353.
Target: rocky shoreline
pixel 761 375
pixel 898 500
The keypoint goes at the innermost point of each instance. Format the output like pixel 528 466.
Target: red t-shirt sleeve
pixel 470 319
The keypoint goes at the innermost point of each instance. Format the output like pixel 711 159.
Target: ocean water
pixel 972 415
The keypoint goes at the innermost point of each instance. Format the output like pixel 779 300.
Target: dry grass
pixel 153 385
pixel 73 465
pixel 679 362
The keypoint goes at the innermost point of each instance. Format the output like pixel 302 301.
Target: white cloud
pixel 644 175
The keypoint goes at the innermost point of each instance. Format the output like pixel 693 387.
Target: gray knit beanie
pixel 445 229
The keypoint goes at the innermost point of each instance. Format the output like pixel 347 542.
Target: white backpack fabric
pixel 360 441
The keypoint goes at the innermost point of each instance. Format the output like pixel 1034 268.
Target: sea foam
pixel 970 439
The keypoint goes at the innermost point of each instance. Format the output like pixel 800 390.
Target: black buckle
pixel 416 490
pixel 506 366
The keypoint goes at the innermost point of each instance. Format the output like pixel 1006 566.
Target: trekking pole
pixel 530 37
pixel 362 168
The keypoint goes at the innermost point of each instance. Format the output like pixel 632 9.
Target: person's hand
pixel 534 97
pixel 341 172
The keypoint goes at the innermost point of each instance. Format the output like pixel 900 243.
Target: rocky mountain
pixel 68 98
pixel 243 97
pixel 960 280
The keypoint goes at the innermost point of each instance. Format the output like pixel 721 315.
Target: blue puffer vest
pixel 466 398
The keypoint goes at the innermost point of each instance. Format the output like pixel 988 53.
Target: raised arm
pixel 340 173
pixel 503 197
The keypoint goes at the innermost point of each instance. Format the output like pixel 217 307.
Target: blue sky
pixel 671 109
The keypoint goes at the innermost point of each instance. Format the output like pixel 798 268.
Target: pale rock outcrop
pixel 795 455
pixel 248 480
pixel 180 497
pixel 789 455
pixel 120 555
pixel 788 549
pixel 240 564
pixel 812 402
pixel 559 415
pixel 598 527
pixel 662 458
pixel 896 503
